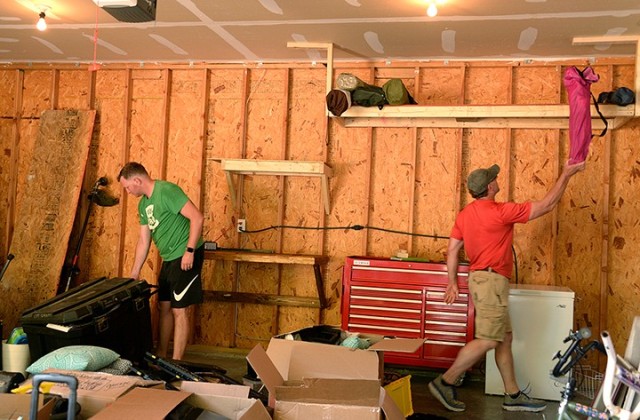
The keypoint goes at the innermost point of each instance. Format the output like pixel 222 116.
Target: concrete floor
pixel 479 405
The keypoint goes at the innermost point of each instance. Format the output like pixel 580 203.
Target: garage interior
pixel 227 100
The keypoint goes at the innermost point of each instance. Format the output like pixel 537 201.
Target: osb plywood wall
pixel 405 184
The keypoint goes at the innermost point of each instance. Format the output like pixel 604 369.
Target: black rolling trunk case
pixel 112 313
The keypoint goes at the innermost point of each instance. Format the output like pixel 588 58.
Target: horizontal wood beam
pixel 262 299
pixel 265 257
pixel 481 111
pixel 474 116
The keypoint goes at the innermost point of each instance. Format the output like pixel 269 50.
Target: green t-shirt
pixel 161 212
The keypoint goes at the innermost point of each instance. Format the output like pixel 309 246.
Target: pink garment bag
pixel 578 85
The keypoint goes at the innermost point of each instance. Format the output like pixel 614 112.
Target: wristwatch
pixel 190 250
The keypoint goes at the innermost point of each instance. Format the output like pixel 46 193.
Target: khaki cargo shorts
pixel 490 294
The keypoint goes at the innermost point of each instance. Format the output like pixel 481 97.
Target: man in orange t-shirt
pixel 485 229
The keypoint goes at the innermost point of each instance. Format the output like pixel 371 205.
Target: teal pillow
pixel 89 358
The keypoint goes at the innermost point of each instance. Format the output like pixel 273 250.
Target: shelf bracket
pixel 320 46
pixel 278 168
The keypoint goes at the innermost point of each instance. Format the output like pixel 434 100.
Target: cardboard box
pixel 143 403
pixel 228 400
pixel 293 371
pixel 296 360
pixel 96 390
pixel 330 399
pixel 18 406
pixel 154 404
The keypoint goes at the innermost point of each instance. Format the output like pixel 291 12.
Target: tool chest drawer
pixel 406 299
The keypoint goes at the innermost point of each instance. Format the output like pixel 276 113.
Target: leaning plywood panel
pixel 45 217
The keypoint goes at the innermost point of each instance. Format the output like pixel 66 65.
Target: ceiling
pixel 232 31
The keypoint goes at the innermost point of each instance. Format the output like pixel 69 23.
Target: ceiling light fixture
pixel 42 24
pixel 432 9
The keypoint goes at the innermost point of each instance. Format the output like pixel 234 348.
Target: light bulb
pixel 42 24
pixel 432 10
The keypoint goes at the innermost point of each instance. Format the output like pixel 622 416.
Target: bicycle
pixel 618 371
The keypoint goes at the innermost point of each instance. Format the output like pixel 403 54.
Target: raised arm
pixel 551 199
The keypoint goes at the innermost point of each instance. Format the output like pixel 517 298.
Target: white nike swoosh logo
pixel 178 297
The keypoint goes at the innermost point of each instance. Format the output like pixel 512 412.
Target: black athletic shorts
pixel 181 288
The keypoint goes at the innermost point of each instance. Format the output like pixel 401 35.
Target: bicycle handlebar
pixel 574 352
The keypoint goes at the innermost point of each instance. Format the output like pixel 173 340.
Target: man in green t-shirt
pixel 174 223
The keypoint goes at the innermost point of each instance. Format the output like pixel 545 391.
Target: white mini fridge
pixel 542 317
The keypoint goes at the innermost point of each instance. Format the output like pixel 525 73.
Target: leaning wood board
pixel 45 217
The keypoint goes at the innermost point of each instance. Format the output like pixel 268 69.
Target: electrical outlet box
pixel 242 225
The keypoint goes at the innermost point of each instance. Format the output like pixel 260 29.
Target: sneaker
pixel 446 394
pixel 522 403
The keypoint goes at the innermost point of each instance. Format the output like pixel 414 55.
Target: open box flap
pixel 266 370
pixel 143 403
pixel 402 345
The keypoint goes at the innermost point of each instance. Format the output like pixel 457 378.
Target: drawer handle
pixel 443 343
pixel 446 333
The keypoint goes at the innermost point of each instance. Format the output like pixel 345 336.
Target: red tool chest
pixel 406 299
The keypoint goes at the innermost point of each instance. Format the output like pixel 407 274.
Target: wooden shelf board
pixel 265 257
pixel 276 167
pixel 480 116
pixel 263 299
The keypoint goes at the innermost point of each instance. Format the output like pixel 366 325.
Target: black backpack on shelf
pixel 622 96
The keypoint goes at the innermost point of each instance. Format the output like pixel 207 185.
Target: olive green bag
pixel 396 93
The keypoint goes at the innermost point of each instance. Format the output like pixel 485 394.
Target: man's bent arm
pixel 453 251
pixel 196 221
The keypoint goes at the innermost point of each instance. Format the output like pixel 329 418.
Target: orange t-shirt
pixel 486 228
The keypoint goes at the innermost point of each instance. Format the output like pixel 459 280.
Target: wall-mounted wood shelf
pixel 277 168
pixel 489 116
pixel 269 258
